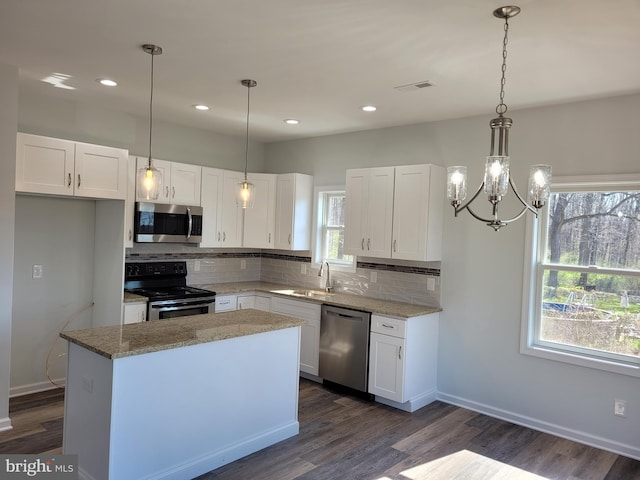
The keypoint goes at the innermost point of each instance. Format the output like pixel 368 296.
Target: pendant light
pixel 245 194
pixel 496 178
pixel 150 179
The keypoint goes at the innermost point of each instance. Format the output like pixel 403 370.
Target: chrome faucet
pixel 327 285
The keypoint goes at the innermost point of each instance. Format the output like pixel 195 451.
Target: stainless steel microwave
pixel 161 223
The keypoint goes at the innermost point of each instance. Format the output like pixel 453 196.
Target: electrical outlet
pixel 620 407
pixel 303 268
pixel 431 284
pixel 37 271
pixel 196 265
pixel 374 276
pixel 243 264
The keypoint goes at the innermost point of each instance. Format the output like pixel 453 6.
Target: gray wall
pixel 8 123
pixel 479 361
pixel 57 233
pixel 63 118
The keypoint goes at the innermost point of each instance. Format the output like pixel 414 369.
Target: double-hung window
pixel 329 228
pixel 582 283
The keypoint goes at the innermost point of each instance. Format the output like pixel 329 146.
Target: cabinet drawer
pixel 225 303
pixel 394 327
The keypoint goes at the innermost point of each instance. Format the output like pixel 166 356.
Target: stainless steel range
pixel 165 285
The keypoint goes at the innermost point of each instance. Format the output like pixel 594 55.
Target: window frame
pixel 318 230
pixel 534 268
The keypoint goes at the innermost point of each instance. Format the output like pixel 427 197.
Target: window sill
pixel 632 370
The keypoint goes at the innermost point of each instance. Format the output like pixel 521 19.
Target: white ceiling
pixel 320 60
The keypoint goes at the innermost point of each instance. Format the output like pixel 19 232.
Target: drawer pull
pixel 69 182
pixel 388 326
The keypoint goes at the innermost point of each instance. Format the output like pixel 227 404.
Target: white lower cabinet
pixel 310 331
pixel 403 360
pixel 134 312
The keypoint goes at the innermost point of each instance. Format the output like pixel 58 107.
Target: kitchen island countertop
pixel 146 337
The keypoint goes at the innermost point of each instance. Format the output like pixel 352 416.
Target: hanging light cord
pixel 246 149
pixel 151 108
pixel 501 108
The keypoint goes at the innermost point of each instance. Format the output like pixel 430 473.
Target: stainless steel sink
pixel 306 293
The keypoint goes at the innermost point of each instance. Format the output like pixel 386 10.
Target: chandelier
pixel 497 180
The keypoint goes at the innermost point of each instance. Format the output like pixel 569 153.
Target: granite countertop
pixel 133 298
pixel 357 302
pixel 146 337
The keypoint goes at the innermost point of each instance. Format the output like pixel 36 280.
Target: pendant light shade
pixel 497 180
pixel 245 194
pixel 149 179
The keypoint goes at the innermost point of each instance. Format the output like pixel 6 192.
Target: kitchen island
pixel 180 397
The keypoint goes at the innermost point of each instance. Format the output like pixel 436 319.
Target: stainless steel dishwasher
pixel 344 347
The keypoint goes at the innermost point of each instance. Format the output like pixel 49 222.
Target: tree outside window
pixel 587 275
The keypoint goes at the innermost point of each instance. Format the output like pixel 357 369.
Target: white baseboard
pixel 410 405
pixel 35 387
pixel 546 427
pixel 5 424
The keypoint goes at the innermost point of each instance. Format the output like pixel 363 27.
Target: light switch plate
pixel 37 271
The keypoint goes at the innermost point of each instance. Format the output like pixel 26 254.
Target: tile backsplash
pixel 411 282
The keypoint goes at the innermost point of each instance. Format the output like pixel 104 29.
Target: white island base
pixel 181 412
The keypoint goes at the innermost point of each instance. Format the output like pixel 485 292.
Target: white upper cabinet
pixel 259 221
pixel 418 208
pixel 369 211
pixel 395 212
pixel 60 167
pixel 294 200
pixel 180 182
pixel 221 218
pixel 130 202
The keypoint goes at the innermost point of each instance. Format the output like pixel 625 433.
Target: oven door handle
pixel 190 223
pixel 181 305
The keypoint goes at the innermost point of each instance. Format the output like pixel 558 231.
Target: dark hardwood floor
pixel 346 437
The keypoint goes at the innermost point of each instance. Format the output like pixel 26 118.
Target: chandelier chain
pixel 501 108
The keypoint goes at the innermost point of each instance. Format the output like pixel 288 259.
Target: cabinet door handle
pixel 130 234
pixel 289 239
pixel 395 245
pixel 400 353
pixel 218 236
pixel 368 244
pixel 69 181
pixel 173 192
pixel 143 316
pixel 79 181
pixel 224 237
pixel 166 189
pixel 362 243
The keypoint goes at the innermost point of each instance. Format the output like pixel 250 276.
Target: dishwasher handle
pixel 342 315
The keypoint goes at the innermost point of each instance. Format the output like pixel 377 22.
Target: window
pixel 584 277
pixel 329 229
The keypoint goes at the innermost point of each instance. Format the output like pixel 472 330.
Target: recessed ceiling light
pixel 107 82
pixel 369 108
pixel 291 121
pixel 201 107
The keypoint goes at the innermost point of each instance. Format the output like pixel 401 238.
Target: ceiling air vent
pixel 414 87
